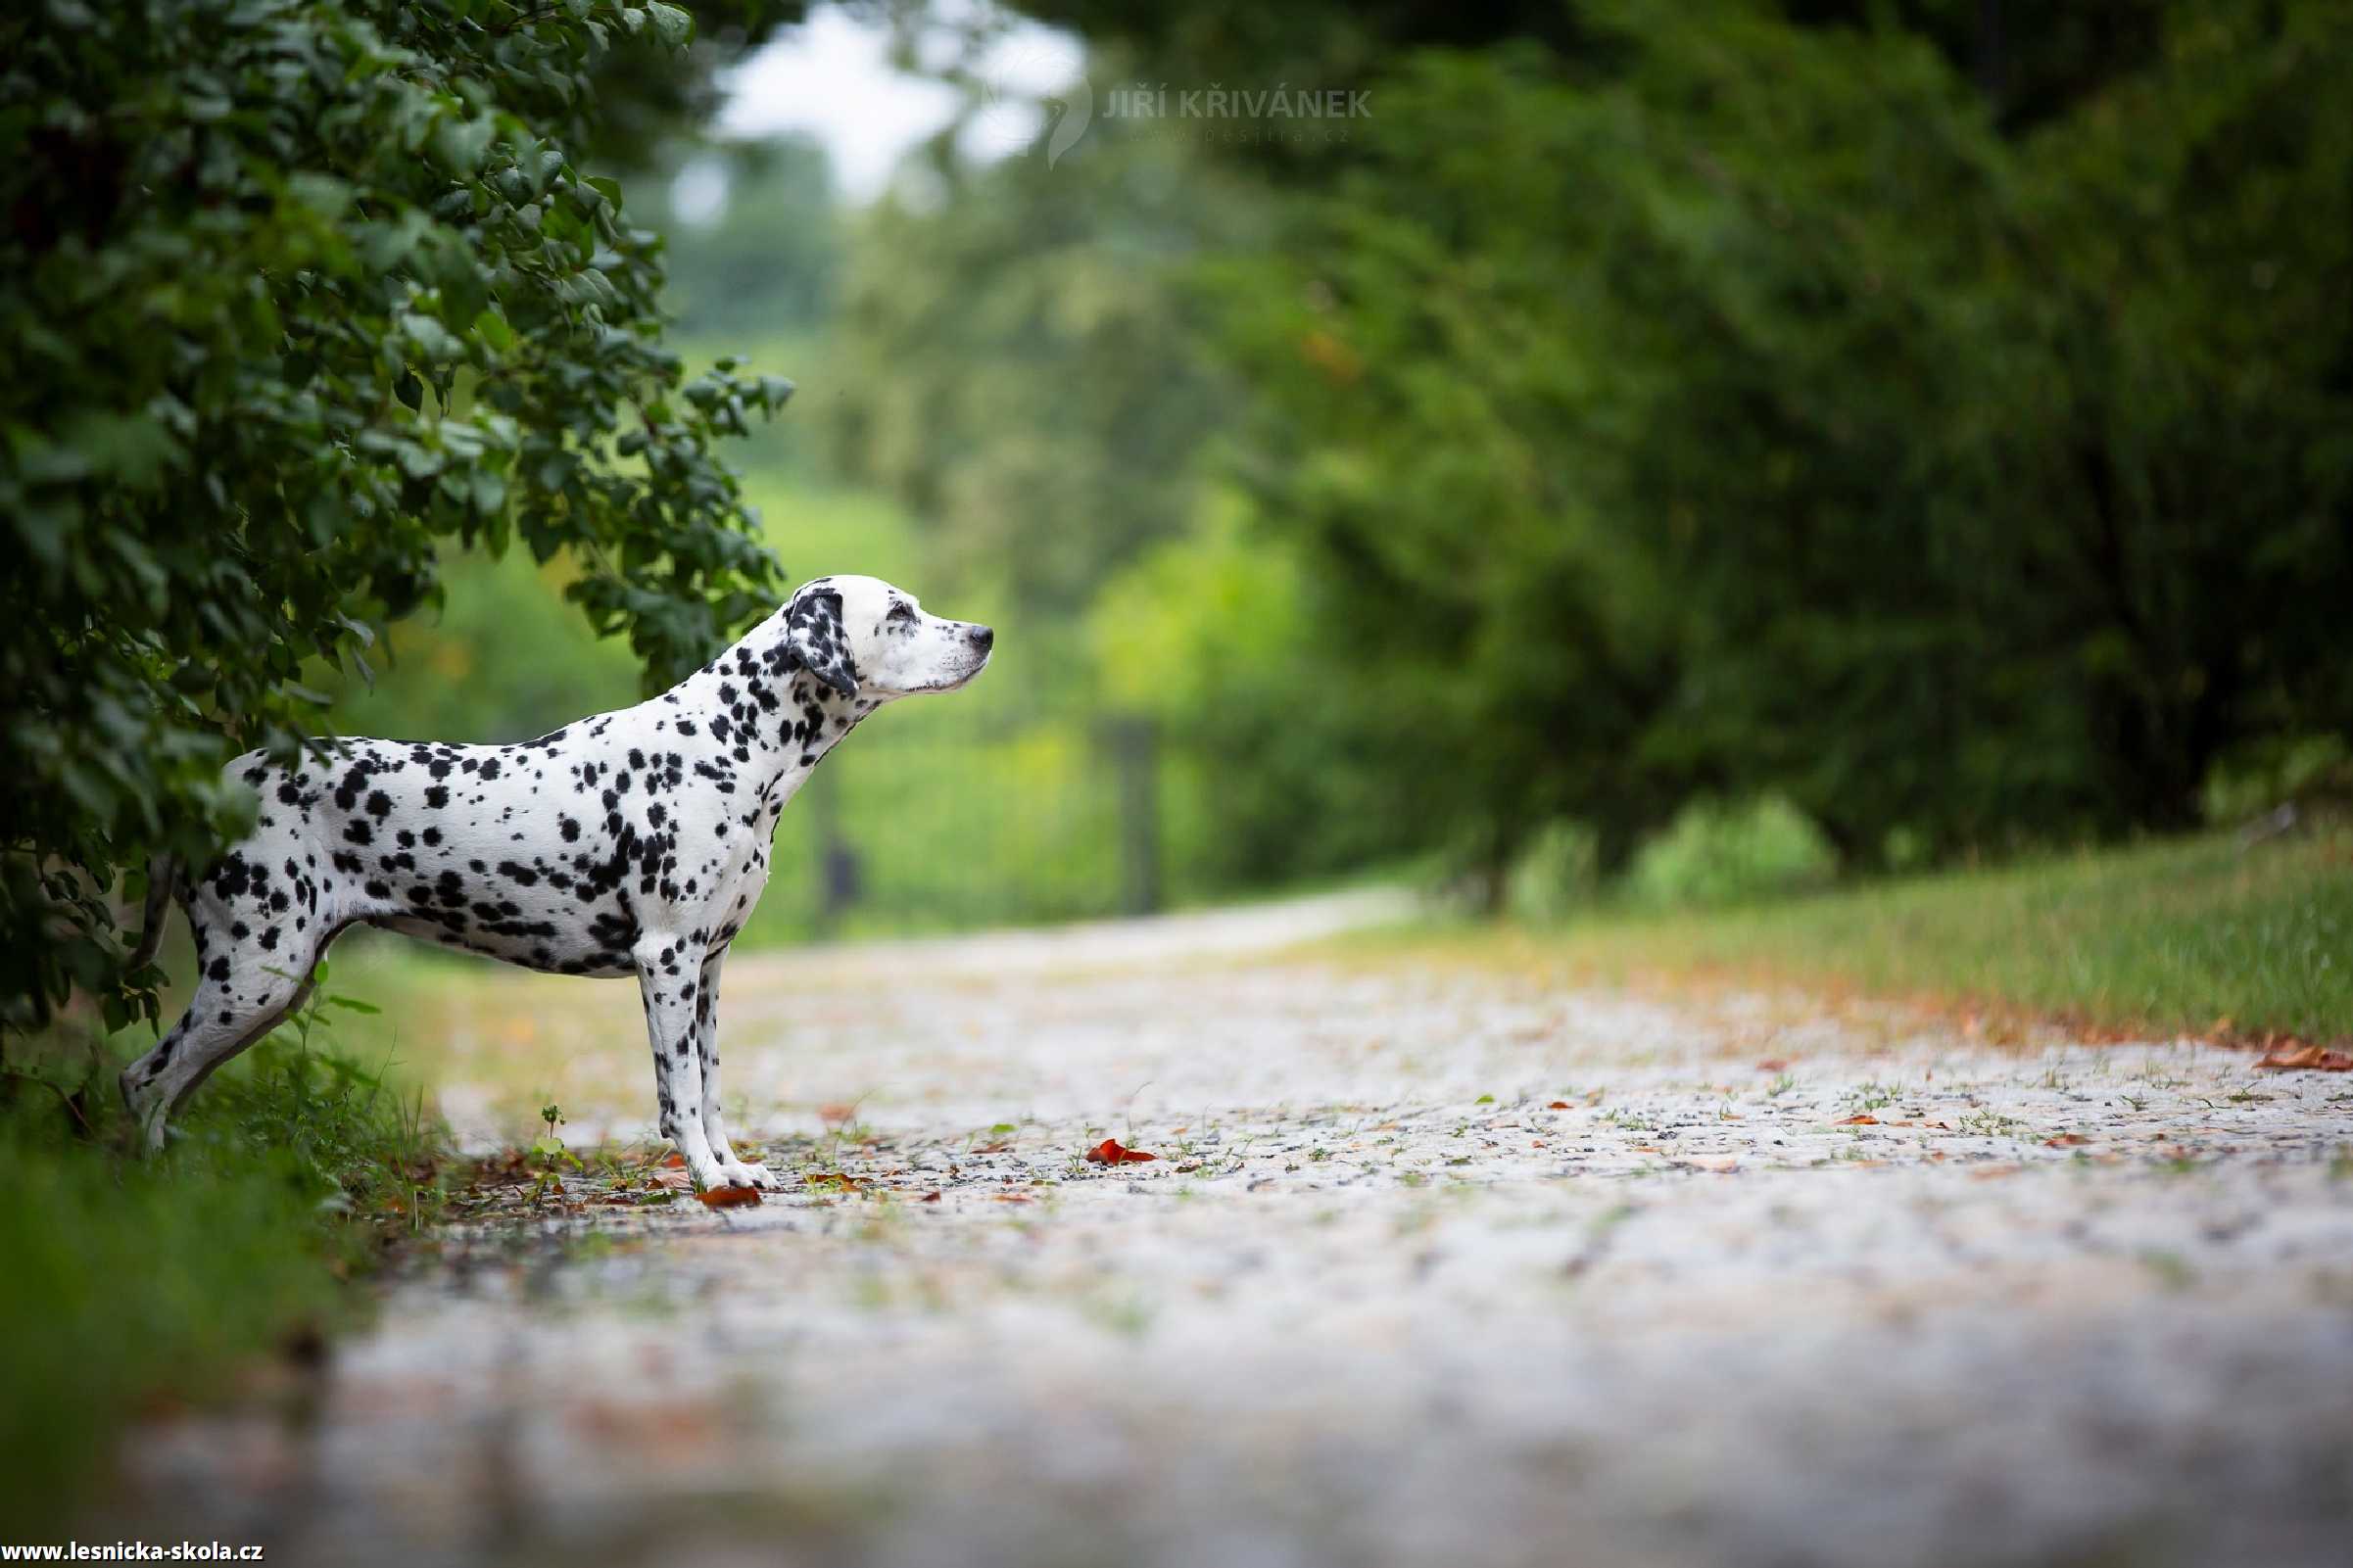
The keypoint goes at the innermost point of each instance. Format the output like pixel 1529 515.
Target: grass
pixel 2193 935
pixel 129 1285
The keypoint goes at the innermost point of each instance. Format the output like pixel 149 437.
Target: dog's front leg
pixel 707 1053
pixel 669 978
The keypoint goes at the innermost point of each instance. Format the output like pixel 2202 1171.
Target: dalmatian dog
pixel 630 843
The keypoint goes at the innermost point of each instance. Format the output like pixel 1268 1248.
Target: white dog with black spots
pixel 633 842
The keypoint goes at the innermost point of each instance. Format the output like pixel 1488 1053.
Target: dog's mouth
pixel 951 683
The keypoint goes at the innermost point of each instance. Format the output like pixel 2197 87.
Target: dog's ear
pixel 814 639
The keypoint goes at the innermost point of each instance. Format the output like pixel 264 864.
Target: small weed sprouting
pixel 1866 1097
pixel 553 1158
pixel 1992 1124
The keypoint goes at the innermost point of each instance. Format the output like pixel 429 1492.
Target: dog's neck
pixel 778 724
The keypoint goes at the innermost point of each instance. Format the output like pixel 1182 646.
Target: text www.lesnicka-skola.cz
pixel 132 1552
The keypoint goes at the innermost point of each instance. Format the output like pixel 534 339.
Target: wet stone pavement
pixel 1435 1265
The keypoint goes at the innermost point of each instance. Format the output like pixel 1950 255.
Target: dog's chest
pixel 740 875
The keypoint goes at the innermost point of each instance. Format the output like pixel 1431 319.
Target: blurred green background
pixel 1667 460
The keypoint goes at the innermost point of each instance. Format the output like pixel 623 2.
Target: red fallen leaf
pixel 731 1197
pixel 2311 1057
pixel 930 1197
pixel 1857 1121
pixel 1109 1153
pixel 835 1113
pixel 676 1162
pixel 2066 1140
pixel 1014 1198
pixel 1772 1064
pixel 834 1179
pixel 1558 1105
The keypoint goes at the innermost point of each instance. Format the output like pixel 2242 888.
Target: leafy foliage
pixel 124 1280
pixel 293 293
pixel 1018 368
pixel 1760 417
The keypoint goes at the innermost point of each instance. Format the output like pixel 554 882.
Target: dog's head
pixel 864 638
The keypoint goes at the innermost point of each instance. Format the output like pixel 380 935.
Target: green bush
pixel 1714 855
pixel 127 1280
pixel 298 294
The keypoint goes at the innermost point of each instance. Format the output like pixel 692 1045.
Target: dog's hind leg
pixel 706 1052
pixel 669 978
pixel 241 996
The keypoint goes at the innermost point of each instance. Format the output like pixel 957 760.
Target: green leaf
pixel 674 26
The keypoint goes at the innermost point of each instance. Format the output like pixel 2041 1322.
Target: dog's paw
pixel 739 1174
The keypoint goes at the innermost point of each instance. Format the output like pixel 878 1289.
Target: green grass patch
pixel 125 1283
pixel 2178 935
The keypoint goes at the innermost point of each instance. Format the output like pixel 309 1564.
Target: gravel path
pixel 1436 1265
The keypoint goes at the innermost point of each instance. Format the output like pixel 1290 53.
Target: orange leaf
pixel 1859 1122
pixel 930 1197
pixel 2066 1140
pixel 676 1162
pixel 1558 1105
pixel 1772 1064
pixel 731 1197
pixel 835 1113
pixel 2312 1056
pixel 1109 1153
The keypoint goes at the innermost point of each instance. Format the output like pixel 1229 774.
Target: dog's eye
pixel 901 612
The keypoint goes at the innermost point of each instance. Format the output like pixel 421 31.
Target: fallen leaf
pixel 834 1179
pixel 675 1162
pixel 930 1197
pixel 1772 1064
pixel 1014 1198
pixel 1558 1105
pixel 2066 1140
pixel 2291 1056
pixel 731 1197
pixel 835 1114
pixel 1109 1153
pixel 1859 1122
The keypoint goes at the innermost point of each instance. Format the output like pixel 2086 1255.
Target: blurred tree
pixel 2032 61
pixel 291 292
pixel 1760 416
pixel 764 265
pixel 1014 364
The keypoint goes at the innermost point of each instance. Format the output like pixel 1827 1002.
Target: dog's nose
pixel 981 637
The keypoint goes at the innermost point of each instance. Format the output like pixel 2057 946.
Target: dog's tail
pixel 161 872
